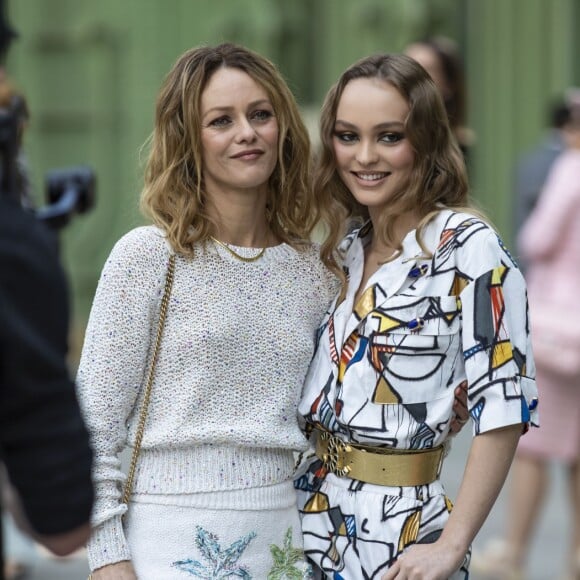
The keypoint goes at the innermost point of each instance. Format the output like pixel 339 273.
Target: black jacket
pixel 43 441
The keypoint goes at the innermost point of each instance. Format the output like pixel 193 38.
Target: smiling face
pixel 239 134
pixel 373 155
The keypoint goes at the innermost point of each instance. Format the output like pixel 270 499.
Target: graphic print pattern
pixel 384 374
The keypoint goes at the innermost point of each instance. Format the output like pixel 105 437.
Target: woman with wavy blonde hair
pixel 227 189
pixel 430 298
pixel 174 170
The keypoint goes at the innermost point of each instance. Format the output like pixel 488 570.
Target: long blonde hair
pixel 173 196
pixel 438 178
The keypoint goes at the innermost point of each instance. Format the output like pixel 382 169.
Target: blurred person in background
pixel 550 243
pixel 44 448
pixel 533 166
pixel 441 58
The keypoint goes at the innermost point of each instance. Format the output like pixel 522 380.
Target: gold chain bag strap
pixel 149 385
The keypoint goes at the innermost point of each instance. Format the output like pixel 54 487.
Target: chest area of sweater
pixel 243 306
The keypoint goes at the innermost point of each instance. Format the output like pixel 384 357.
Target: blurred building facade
pixel 91 70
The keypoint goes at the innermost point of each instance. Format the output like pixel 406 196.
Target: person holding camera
pixel 43 442
pixel 44 445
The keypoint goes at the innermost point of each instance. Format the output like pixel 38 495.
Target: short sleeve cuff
pixel 505 402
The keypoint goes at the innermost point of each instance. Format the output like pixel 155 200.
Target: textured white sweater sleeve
pixel 118 334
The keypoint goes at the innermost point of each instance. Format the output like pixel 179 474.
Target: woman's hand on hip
pixel 118 571
pixel 425 562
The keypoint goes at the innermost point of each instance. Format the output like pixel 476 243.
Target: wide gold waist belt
pixel 377 465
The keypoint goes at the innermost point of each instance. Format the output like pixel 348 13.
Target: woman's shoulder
pixel 309 252
pixel 564 175
pixel 143 237
pixel 149 239
pixel 356 231
pixel 477 246
pixel 453 219
pixel 568 160
pixel 316 267
pixel 140 248
pixel 461 228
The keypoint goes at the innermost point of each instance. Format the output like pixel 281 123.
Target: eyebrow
pixel 227 108
pixel 381 126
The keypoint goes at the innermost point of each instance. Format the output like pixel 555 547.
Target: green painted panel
pixel 91 71
pixel 520 55
pixel 351 30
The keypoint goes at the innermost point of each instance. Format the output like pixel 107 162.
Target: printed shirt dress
pixel 379 378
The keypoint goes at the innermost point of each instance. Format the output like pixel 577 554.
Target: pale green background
pixel 91 70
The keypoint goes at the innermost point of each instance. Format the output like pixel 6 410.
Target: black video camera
pixel 68 191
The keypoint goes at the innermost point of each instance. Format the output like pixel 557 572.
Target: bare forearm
pixel 487 467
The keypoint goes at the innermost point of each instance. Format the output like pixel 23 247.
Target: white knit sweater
pixel 236 347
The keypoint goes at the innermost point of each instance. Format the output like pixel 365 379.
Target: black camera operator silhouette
pixel 44 444
pixel 68 191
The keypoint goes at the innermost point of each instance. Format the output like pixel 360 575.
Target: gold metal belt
pixel 377 465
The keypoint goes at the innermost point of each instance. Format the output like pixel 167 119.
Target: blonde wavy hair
pixel 438 177
pixel 173 196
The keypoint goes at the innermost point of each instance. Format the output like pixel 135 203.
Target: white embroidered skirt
pixel 252 534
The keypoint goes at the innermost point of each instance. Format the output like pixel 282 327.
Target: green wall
pixel 520 55
pixel 91 70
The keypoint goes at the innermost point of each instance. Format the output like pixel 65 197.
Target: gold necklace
pixel 238 256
